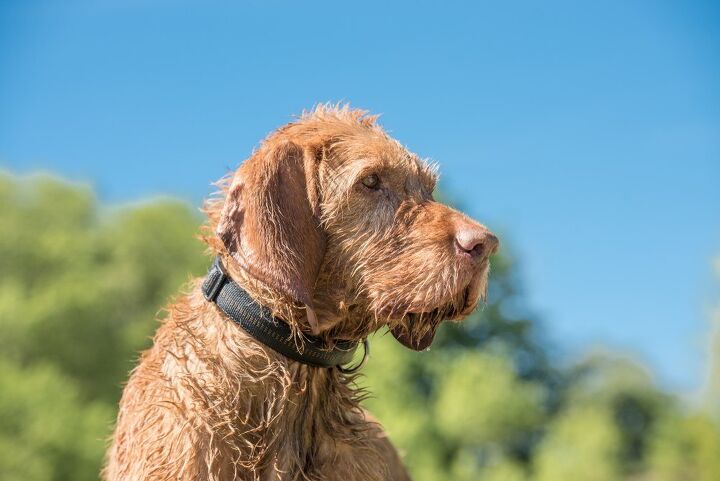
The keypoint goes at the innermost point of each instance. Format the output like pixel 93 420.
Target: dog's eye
pixel 371 181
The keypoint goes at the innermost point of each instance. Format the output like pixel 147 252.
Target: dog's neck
pixel 331 313
pixel 280 305
pixel 304 411
pixel 239 306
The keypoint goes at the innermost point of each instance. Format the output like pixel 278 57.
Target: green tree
pixel 686 448
pixel 80 287
pixel 581 445
pixel 626 391
pixel 47 432
pixel 482 401
pixel 711 394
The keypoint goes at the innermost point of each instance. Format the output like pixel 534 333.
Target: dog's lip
pixel 403 336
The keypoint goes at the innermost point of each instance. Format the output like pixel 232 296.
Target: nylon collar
pixel 275 333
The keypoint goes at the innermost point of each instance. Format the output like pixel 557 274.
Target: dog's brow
pixel 428 172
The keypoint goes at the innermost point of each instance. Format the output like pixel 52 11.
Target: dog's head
pixel 334 216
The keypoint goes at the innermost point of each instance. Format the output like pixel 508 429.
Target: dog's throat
pixel 262 326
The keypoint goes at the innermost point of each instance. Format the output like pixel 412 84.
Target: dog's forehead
pixel 415 170
pixel 365 155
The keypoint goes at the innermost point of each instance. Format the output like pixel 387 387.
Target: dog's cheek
pixel 436 277
pixel 402 281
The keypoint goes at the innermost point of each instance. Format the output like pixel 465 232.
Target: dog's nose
pixel 476 240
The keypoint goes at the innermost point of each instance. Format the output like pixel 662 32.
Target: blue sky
pixel 587 133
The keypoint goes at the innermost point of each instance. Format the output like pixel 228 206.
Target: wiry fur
pixel 298 230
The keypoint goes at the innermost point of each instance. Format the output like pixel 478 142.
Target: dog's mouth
pixel 416 330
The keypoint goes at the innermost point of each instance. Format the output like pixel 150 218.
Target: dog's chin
pixel 417 330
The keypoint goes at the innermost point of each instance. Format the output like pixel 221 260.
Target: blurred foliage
pixel 81 286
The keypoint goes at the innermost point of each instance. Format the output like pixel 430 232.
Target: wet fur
pixel 296 229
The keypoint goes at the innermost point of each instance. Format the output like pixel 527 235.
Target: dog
pixel 331 230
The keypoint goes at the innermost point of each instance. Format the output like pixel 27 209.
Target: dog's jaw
pixel 417 331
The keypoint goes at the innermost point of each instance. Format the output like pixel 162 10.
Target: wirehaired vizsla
pixel 327 233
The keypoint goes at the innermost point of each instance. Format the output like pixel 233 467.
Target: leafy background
pixel 82 285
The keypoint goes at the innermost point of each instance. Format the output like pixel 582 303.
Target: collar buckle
pixel 215 280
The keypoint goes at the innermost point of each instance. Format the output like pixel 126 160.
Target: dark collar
pixel 260 324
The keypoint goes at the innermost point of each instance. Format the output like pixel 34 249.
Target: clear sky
pixel 587 133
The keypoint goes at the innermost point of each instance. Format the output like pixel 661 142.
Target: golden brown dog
pixel 332 225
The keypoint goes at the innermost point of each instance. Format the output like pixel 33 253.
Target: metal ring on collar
pixel 366 355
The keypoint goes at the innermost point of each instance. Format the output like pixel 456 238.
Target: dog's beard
pixel 416 330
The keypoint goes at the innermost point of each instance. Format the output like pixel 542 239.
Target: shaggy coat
pixel 332 225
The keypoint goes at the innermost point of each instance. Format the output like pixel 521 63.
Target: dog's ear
pixel 270 221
